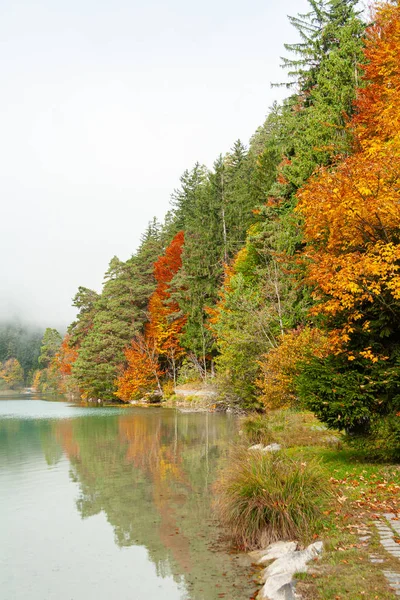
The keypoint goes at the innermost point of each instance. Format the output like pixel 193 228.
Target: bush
pixel 383 440
pixel 265 497
pixel 188 373
pixel 256 429
pixel 168 389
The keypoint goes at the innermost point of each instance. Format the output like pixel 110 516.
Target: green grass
pixel 345 571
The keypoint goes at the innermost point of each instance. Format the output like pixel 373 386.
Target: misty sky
pixel 103 106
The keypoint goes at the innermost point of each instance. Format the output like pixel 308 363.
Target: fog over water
pixel 103 106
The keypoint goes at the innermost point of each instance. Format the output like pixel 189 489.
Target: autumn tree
pixel 352 230
pixel 12 374
pixel 66 356
pixel 166 320
pixel 156 349
pixel 142 374
pixel 61 368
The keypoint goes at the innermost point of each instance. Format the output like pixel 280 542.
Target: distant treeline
pixel 21 342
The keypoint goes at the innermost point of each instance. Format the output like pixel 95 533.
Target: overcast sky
pixel 103 106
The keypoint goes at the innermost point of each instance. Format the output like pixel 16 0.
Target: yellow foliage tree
pixel 12 373
pixel 280 365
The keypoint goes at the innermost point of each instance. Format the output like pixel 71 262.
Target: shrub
pixel 265 497
pixel 168 389
pixel 383 441
pixel 256 429
pixel 188 373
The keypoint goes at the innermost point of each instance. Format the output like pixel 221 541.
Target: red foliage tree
pixel 166 321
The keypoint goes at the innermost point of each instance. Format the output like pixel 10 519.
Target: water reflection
pixel 150 472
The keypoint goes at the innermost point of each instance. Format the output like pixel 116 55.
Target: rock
pixel 270 448
pixel 256 555
pixel 332 439
pixel 278 577
pixel 275 551
pixel 279 587
pixel 295 562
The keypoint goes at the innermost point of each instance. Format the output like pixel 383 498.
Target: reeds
pixel 256 429
pixel 266 497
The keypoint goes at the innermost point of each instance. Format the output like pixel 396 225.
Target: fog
pixel 103 106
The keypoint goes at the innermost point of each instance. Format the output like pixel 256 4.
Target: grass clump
pixel 256 430
pixel 265 497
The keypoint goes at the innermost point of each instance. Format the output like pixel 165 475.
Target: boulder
pixel 275 551
pixel 279 587
pixel 278 576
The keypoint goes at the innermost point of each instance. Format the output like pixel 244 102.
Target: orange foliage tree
pixel 142 373
pixel 166 321
pixel 59 374
pixel 377 122
pixel 66 356
pixel 352 214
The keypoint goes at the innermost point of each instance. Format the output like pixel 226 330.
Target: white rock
pixel 276 550
pixel 294 562
pixel 278 577
pixel 272 448
pixel 279 587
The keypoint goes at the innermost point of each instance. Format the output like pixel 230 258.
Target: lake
pixel 113 503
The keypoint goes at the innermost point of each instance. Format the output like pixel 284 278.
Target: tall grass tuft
pixel 256 429
pixel 266 497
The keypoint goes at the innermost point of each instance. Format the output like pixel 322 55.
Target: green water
pixel 112 503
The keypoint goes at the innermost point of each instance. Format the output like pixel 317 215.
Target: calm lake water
pixel 112 503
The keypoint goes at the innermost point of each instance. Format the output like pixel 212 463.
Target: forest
pixel 275 274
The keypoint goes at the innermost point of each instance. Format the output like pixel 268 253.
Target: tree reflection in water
pixel 151 472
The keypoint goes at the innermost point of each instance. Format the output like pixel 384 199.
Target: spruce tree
pixel 85 301
pixel 119 313
pixel 326 73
